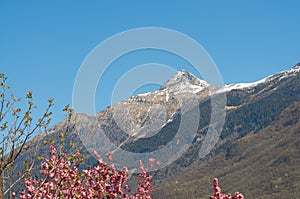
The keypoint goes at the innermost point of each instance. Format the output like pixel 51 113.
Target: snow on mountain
pixel 184 81
pixel 277 77
pixel 145 113
pixel 230 87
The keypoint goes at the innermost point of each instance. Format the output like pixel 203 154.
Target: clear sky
pixel 43 43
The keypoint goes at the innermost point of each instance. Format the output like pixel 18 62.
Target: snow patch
pixel 281 75
pixel 167 96
pixel 230 87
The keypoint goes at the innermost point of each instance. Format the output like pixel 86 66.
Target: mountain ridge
pixel 147 122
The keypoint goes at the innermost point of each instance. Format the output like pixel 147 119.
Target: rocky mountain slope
pixel 261 165
pixel 258 150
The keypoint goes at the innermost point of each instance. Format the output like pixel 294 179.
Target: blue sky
pixel 43 43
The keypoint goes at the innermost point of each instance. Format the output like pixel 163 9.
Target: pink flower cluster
pixel 219 195
pixel 64 180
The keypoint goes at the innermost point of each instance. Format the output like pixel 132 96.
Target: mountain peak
pixel 297 66
pixel 184 80
pixel 288 73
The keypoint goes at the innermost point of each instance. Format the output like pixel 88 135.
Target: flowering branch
pixel 62 179
pixel 219 195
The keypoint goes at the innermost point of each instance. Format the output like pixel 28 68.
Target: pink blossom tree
pixel 219 195
pixel 63 179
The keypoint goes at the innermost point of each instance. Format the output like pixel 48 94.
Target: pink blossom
pixel 64 180
pixel 219 195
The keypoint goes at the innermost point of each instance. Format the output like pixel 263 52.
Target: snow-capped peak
pixel 183 81
pixel 295 69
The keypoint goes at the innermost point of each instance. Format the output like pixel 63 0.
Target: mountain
pixel 257 152
pixel 265 164
pixel 184 81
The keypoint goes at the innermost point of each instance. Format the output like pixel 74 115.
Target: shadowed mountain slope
pixel 261 165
